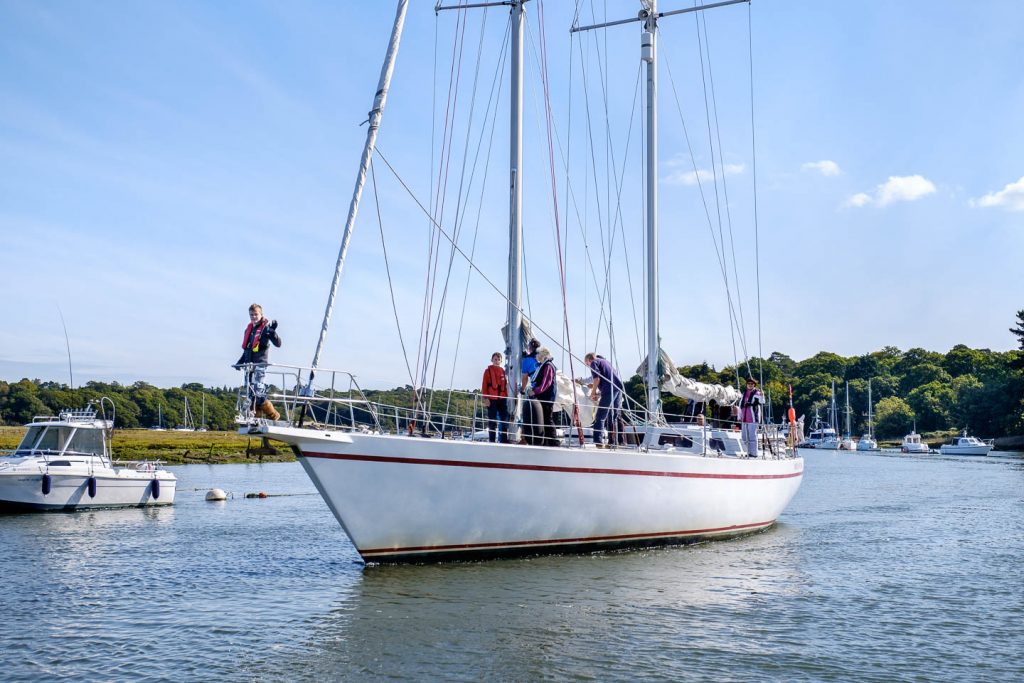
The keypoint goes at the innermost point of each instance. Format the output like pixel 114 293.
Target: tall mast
pixel 513 348
pixel 374 120
pixel 649 15
pixel 648 53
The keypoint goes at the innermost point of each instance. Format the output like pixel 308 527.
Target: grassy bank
pixel 176 447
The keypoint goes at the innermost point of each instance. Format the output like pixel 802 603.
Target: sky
pixel 165 164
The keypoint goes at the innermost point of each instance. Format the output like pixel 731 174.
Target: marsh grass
pixel 176 447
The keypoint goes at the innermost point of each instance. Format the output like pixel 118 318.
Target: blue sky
pixel 162 165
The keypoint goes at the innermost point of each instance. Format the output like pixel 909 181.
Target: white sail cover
pixel 676 384
pixel 567 393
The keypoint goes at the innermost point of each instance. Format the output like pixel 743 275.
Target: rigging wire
pixel 460 209
pixel 728 211
pixel 387 271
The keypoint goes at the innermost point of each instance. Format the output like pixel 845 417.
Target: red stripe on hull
pixel 592 541
pixel 544 468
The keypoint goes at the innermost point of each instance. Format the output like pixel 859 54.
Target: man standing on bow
pixel 259 335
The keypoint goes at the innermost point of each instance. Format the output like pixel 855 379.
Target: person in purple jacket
pixel 750 415
pixel 544 390
pixel 606 389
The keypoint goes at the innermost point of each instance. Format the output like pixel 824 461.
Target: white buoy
pixel 216 495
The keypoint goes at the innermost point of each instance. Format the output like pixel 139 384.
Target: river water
pixel 884 568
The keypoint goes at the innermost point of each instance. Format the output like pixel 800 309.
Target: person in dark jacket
pixel 495 392
pixel 606 388
pixel 544 390
pixel 532 430
pixel 259 335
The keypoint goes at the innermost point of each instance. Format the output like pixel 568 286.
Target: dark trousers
pixel 497 419
pixel 533 427
pixel 548 436
pixel 607 418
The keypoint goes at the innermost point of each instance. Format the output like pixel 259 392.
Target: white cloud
pixel 1010 197
pixel 701 175
pixel 824 167
pixel 907 188
pixel 859 199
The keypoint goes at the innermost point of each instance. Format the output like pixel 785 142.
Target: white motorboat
pixel 965 445
pixel 912 443
pixel 867 442
pixel 412 498
pixel 64 463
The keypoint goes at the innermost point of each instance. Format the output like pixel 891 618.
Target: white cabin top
pixel 77 432
pixel 912 437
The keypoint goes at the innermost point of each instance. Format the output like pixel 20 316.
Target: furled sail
pixel 675 383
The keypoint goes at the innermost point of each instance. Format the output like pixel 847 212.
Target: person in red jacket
pixel 495 392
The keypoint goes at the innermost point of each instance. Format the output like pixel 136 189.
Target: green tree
pixel 931 404
pixel 922 374
pixel 1018 329
pixel 893 417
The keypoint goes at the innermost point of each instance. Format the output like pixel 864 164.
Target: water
pixel 883 568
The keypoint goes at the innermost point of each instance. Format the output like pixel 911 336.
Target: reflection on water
pixel 543 617
pixel 883 568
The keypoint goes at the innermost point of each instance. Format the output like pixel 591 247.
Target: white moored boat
pixel 965 445
pixel 64 463
pixel 404 498
pixel 868 442
pixel 912 443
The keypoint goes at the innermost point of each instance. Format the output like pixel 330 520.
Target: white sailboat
pixel 847 444
pixel 867 442
pixel 829 439
pixel 159 426
pixel 404 498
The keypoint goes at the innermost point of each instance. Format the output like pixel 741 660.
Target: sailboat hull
pixel 407 499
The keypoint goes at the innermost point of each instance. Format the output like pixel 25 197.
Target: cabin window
pixel 59 463
pixel 87 441
pixel 31 436
pixel 50 441
pixel 675 440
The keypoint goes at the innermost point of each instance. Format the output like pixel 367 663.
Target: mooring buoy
pixel 216 495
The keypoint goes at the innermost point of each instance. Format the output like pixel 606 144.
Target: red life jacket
pixel 495 385
pixel 255 338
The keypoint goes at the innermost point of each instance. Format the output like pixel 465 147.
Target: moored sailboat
pixel 408 498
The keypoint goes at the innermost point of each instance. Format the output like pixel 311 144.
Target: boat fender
pixel 47 484
pixel 156 489
pixel 92 486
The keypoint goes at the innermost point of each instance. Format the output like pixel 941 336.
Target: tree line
pixel 979 389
